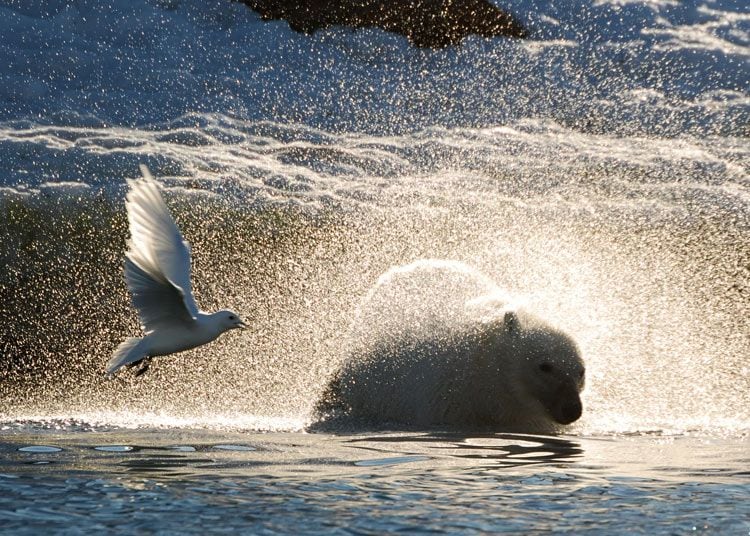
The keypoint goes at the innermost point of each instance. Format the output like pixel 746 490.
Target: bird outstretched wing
pixel 157 264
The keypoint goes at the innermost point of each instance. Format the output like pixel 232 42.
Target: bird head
pixel 230 320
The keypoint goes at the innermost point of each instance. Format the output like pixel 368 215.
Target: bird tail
pixel 127 353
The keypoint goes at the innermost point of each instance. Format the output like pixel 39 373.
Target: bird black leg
pixel 144 363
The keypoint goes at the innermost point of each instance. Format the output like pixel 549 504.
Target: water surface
pixel 77 478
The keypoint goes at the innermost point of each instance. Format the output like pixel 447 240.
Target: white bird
pixel 157 272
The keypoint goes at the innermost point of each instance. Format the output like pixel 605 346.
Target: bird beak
pixel 240 325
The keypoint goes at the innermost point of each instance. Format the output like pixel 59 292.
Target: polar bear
pixel 482 364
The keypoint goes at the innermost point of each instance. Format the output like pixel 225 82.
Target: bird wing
pixel 157 264
pixel 159 304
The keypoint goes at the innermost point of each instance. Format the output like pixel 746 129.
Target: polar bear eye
pixel 545 367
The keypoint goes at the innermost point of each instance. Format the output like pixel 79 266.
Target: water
pixel 596 174
pixel 72 477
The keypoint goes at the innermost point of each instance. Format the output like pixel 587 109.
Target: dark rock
pixel 426 23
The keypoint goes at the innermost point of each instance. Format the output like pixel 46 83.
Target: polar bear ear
pixel 510 322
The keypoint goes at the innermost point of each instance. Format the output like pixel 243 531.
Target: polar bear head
pixel 546 367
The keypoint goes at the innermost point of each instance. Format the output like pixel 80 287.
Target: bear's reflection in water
pixel 498 450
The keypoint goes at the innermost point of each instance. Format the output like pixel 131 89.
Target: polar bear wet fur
pixel 511 372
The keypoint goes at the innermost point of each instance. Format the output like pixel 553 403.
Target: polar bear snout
pixel 566 406
pixel 568 412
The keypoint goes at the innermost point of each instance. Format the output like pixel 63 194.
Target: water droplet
pixel 39 449
pixel 390 461
pixel 234 447
pixel 114 448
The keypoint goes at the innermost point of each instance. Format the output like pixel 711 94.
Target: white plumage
pixel 157 272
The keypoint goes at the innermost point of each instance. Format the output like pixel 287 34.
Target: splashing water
pixel 648 274
pixel 596 174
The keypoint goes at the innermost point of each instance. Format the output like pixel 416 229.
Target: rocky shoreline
pixel 425 23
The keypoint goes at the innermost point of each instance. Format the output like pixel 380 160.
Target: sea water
pixel 74 478
pixel 597 173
